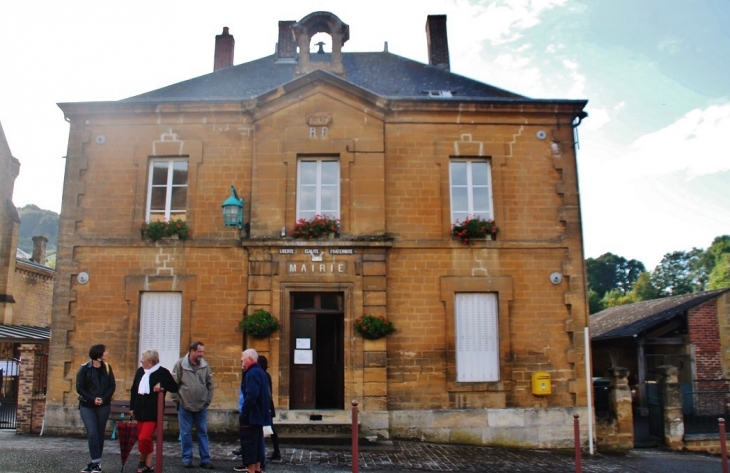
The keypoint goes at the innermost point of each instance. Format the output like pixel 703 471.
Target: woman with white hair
pixel 151 379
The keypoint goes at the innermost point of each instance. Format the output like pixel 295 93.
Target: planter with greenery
pixel 158 230
pixel 260 324
pixel 317 227
pixel 474 228
pixel 372 327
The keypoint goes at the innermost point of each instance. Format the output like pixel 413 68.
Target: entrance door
pixel 317 347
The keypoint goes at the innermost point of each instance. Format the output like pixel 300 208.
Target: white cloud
pixel 637 201
pixel 696 144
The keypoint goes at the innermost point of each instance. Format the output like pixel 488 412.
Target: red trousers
pixel 145 433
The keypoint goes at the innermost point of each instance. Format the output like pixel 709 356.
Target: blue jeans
pixel 94 419
pixel 186 419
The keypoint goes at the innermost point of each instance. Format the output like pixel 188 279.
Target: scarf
pixel 144 383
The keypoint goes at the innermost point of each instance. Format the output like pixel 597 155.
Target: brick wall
pixel 33 292
pixel 704 334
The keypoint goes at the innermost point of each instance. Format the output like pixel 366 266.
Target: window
pixel 471 189
pixel 167 194
pixel 318 187
pixel 159 325
pixel 477 340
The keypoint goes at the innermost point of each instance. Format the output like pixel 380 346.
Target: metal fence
pixel 8 392
pixel 702 406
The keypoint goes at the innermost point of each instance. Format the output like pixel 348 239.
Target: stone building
pixel 396 150
pixel 26 293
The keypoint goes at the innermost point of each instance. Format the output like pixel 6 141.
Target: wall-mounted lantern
pixel 233 210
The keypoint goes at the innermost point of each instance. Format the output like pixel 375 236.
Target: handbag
pixel 268 431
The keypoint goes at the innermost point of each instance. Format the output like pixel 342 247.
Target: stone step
pixel 319 427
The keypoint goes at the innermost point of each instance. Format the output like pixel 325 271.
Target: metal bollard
pixel 723 444
pixel 355 437
pixel 576 434
pixel 160 412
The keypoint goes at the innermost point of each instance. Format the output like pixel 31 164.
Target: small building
pixel 26 294
pixel 687 331
pixel 396 151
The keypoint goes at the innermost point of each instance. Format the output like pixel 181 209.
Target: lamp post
pixel 233 210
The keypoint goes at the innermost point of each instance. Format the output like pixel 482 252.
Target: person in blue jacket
pixel 256 412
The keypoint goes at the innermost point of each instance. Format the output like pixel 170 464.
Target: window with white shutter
pixel 477 340
pixel 159 325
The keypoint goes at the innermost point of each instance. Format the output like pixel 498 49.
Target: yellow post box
pixel 541 383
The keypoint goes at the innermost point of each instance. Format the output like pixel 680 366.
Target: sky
pixel 653 158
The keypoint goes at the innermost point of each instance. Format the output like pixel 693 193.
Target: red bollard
pixel 355 437
pixel 160 412
pixel 576 434
pixel 723 444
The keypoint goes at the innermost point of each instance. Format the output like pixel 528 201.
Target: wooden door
pixel 317 360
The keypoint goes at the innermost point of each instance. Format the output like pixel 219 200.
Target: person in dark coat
pixel 150 379
pixel 256 412
pixel 276 455
pixel 95 384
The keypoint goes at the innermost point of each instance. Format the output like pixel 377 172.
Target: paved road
pixel 26 454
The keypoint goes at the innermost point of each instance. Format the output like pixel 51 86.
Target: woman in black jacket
pixel 150 379
pixel 95 384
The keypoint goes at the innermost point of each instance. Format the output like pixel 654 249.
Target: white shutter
pixel 477 341
pixel 159 325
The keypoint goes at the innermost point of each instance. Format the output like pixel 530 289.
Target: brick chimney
pixel 39 250
pixel 224 44
pixel 438 42
pixel 286 48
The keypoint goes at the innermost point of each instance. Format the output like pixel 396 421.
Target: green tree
pixel 720 275
pixel 595 303
pixel 643 289
pixel 609 272
pixel 615 298
pixel 680 272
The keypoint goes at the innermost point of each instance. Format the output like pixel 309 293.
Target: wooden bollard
pixel 723 444
pixel 355 437
pixel 160 412
pixel 576 435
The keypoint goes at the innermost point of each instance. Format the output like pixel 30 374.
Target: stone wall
pixel 395 216
pixel 616 432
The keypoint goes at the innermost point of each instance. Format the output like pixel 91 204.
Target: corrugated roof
pixel 24 333
pixel 382 73
pixel 634 319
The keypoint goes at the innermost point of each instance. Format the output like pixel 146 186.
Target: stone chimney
pixel 224 44
pixel 438 42
pixel 286 48
pixel 39 250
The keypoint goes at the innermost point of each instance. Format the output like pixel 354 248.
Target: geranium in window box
pixel 372 327
pixel 260 324
pixel 474 228
pixel 157 230
pixel 317 227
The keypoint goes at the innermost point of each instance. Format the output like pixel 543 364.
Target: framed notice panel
pixel 303 357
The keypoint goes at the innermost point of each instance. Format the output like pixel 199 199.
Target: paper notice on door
pixel 303 357
pixel 304 343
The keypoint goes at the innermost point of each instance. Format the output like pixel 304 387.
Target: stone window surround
pixel 502 285
pixel 169 146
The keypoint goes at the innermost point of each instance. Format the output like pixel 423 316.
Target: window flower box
pixel 474 228
pixel 315 228
pixel 159 230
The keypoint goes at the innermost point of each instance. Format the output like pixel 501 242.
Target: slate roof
pixel 635 319
pixel 382 73
pixel 24 334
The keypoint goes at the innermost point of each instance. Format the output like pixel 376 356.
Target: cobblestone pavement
pixel 25 453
